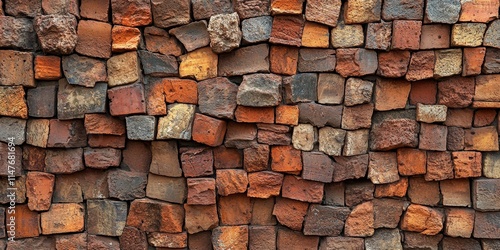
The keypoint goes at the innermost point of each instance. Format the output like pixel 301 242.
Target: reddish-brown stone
pixel 231 181
pixel 125 38
pixel 456 92
pixel 391 94
pixel 303 190
pixel 484 117
pixel 406 34
pixel 287 238
pixel 473 60
pixel 155 216
pixel 411 161
pixel 102 158
pixel 394 189
pixel 360 222
pixel 439 166
pixel 200 218
pixel 104 125
pixel 197 162
pixel 422 219
pixel 394 133
pixel 435 36
pixel 287 30
pixel 467 164
pixel 356 62
pixel 134 13
pixel 284 59
pixel 286 159
pixel 350 167
pixel 432 137
pixel 256 158
pixel 94 39
pixel 290 213
pixel 133 239
pixel 94 9
pixel 424 92
pixel 393 63
pixel 227 158
pixel 127 100
pixel 201 191
pixel 39 188
pixel 47 68
pixel 29 223
pixel 67 134
pixel 421 66
pixel 264 184
pixel 235 209
pixel 424 192
pixel 254 115
pixel 208 130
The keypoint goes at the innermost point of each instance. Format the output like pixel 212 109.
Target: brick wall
pixel 259 124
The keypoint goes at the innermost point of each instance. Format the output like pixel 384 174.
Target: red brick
pixel 201 191
pixel 47 67
pixel 240 135
pixel 94 39
pixel 200 241
pixel 178 14
pixel 484 117
pixel 287 238
pixel 231 181
pixel 256 158
pixel 422 219
pixel 133 239
pixel 208 130
pixel 287 30
pixel 200 218
pixel 235 209
pixel 421 66
pixel 455 139
pixel 39 189
pixel 387 212
pixel 274 138
pixel 180 90
pixel 27 224
pixel 33 158
pixel 127 100
pixel 154 93
pixel 435 36
pixel 63 218
pixel 456 92
pixel 284 59
pixel 352 167
pixel 125 38
pixel 290 213
pixel 360 222
pixel 158 40
pixel 101 242
pixel 286 159
pixel 393 63
pixel 411 161
pixel 356 62
pixel 439 166
pixel 104 125
pixel 459 222
pixel 480 11
pixel 459 118
pixel 262 212
pixel 424 92
pixel 95 9
pixel 473 60
pixel 227 158
pixel 151 216
pixel 288 115
pixel 406 34
pixel 394 189
pixel 64 161
pixel 303 190
pixel 262 237
pixel 391 94
pixel 467 164
pixel 137 156
pixel 13 103
pixel 107 141
pixel 424 192
pixel 102 158
pixel 76 241
pixel 67 134
pixel 280 7
pixel 136 14
pixel 235 237
pixel 317 166
pixel 433 137
pixel 197 162
pixel 160 240
pixel 251 114
pixel 264 184
pixel 358 192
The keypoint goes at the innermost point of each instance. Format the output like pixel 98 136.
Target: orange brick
pixel 27 222
pixel 315 35
pixel 264 184
pixel 235 209
pixel 290 213
pixel 411 161
pixel 459 222
pixel 288 115
pixel 467 164
pixel 201 191
pixel 149 216
pixel 481 11
pixel 395 189
pixel 484 117
pixel 208 130
pixel 284 59
pixel 422 219
pixel 286 6
pixel 104 125
pixel 251 114
pixel 47 68
pixel 286 159
pixel 302 190
pixel 63 218
pixel 391 94
pixel 125 38
pixel 473 60
pixel 39 189
pixel 180 90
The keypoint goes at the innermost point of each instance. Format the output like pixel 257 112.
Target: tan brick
pixel 481 139
pixel 233 236
pixel 467 34
pixel 459 222
pixel 63 218
pixel 200 64
pixel 382 167
pixel 391 94
pixel 125 38
pixel 362 11
pixel 411 161
pixel 345 36
pixel 315 35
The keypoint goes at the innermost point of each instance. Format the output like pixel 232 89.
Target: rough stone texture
pixel 331 140
pixel 178 123
pixel 95 70
pixel 56 33
pixel 391 94
pixel 406 34
pixel 75 101
pixel 422 219
pixel 345 36
pixel 287 30
pixel 251 59
pixel 378 36
pixel 256 29
pixel 94 39
pixel 486 225
pixel 382 167
pixel 225 33
pixel 356 62
pixel 467 34
pixel 316 222
pixel 125 185
pixel 16 68
pixel 17 32
pixel 106 217
pixel 448 63
pixel 456 92
pixel 259 90
pixel 421 66
pixel 388 134
pixel 363 11
pixel 298 88
pixel 491 33
pixel 385 239
pixel 12 102
pixel 442 11
pixel 439 166
pixel 200 64
pixel 134 13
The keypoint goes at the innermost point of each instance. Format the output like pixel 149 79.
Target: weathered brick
pixel 394 189
pixel 261 237
pixel 363 11
pixel 290 213
pixel 300 88
pixel 325 12
pixel 13 130
pixel 455 139
pixel 231 181
pixel 37 132
pixel 316 60
pixel 63 218
pixel 141 127
pixel 391 94
pixel 481 139
pixel 106 217
pixel 95 70
pixel 286 159
pixel 331 89
pixel 179 13
pixel 448 63
pixel 491 65
pixel 158 65
pixel 479 11
pixel 467 164
pixel 422 219
pixel 486 225
pixel 320 115
pixel 193 36
pixel 439 166
pixel 304 137
pixel 137 13
pixel 100 242
pixel 339 242
pixel 403 9
pixel 146 215
pixel 302 190
pixel 94 39
pixel 102 158
pixel 201 241
pixel 43 242
pixel 240 135
pixel 47 68
pixel 259 90
pixel 417 240
pixel 352 167
pixel 442 11
pixel 235 209
pixel 178 240
pixel 159 41
pixel 251 59
pixel 378 35
pixel 283 60
pixel 137 156
pixel 72 241
pixel 76 101
pixel 356 62
pixel 393 63
pixel 486 88
pixel 252 8
pixel 225 33
pixel 421 66
pixel 178 124
pixel 406 34
pixel 467 34
pixel 456 92
pixel 280 7
pixel 230 236
pixel 287 238
pixel 432 137
pixel 204 9
pixel 105 141
pixel 197 162
pixel 485 194
pixel 16 68
pixel 490 244
pixel 17 32
pixel 435 36
pixel 382 167
pixel 132 238
pixel 411 161
pixel 57 33
pixel 356 142
pixel 345 36
pixel 315 35
pixel 387 212
pixel 316 222
pixel 423 92
pixel 287 30
pixel 491 33
pixel 170 189
pixel 331 140
pixel 357 117
pixel 103 124
pixel 256 29
pixel 125 185
pixel 37 107
pixel 94 9
pixel 459 222
pixel 13 103
pixel 200 218
pixel 125 38
pixel 423 192
pixel 264 184
pixel 334 194
pixel 165 159
pixel 28 226
pixel 64 161
pixel 199 64
pixel 262 212
pixel 287 114
pixel 68 189
pixel 67 134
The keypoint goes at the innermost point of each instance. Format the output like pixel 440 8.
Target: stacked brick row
pixel 251 124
